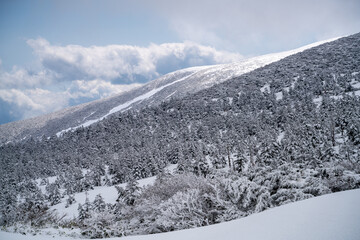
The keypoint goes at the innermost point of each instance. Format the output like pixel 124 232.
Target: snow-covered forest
pixel 308 219
pixel 282 133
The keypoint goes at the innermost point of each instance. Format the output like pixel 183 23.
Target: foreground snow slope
pixel 330 217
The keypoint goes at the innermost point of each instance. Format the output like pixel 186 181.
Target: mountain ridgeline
pixel 176 85
pixel 298 118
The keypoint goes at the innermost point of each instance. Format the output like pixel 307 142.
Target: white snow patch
pixel 279 95
pixel 318 101
pixel 356 85
pixel 171 94
pixel 208 161
pixel 58 134
pixel 88 115
pixel 266 87
pixel 280 137
pixel 336 97
pixel 294 82
pixel 43 187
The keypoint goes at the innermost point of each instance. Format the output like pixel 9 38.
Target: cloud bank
pixel 125 63
pixel 73 74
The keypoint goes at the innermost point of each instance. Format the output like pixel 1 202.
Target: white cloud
pixel 19 98
pixel 33 102
pixel 124 63
pixel 22 78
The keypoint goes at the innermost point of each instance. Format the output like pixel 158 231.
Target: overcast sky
pixel 55 54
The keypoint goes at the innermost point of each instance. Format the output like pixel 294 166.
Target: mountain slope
pixel 173 85
pixel 330 217
pixel 285 132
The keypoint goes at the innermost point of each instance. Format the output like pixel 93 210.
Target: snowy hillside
pixel 329 217
pixel 285 132
pixel 176 85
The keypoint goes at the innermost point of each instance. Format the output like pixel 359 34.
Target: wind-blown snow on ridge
pixel 329 217
pixel 124 106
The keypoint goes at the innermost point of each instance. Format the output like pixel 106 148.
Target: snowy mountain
pixel 330 217
pixel 173 85
pixel 282 133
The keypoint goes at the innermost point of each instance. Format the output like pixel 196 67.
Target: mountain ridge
pixel 74 117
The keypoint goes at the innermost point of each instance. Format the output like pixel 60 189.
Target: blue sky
pixel 78 51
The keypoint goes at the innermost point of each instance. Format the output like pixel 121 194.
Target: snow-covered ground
pixel 329 217
pixel 109 194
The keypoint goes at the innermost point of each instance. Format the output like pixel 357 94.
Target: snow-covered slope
pixel 329 217
pixel 176 84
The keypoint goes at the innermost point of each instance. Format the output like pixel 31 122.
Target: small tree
pixel 84 210
pixel 70 200
pixel 99 204
pixel 53 194
pixel 131 192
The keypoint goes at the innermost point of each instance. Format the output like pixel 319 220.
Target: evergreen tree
pixel 84 210
pixel 70 200
pixel 53 194
pixel 131 192
pixel 98 204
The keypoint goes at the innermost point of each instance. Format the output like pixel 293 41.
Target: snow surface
pixel 109 194
pixel 318 101
pixel 280 137
pixel 329 217
pixel 266 88
pixel 279 95
pixel 356 85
